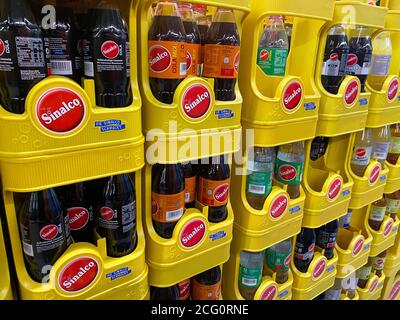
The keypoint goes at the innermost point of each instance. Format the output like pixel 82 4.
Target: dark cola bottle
pixel 189 172
pixel 80 211
pixel 22 54
pixel 86 24
pixel 214 184
pixel 360 56
pixel 116 216
pixel 318 147
pixel 43 231
pixel 168 293
pixel 335 59
pixel 193 41
pixel 222 54
pixel 326 238
pixel 304 249
pixel 167 197
pixel 167 52
pixel 60 43
pixel 109 46
pixel 207 285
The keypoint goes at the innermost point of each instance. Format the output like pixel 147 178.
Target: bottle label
pixel 394 145
pixel 361 156
pixel 167 59
pixel 278 261
pixel 128 60
pixel 108 218
pixel 167 207
pixel 381 150
pixel 392 205
pixel 288 172
pixel 110 56
pixel 88 62
pixel 221 61
pixel 378 263
pixel 333 294
pixel 205 292
pixel 128 213
pixel 184 289
pixel 335 64
pixel 272 61
pixel 358 65
pixel 344 222
pixel 377 213
pixel 60 60
pixel 78 217
pixel 380 65
pixel 190 189
pixel 364 272
pixel 250 277
pixel 259 178
pixel 193 52
pixel 326 240
pixel 302 253
pixel 6 61
pixel 213 193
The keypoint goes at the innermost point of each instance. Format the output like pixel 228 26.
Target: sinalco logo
pixel 189 60
pixel 78 217
pixel 287 172
pixel 159 58
pixel 221 192
pixel 48 232
pixel 388 228
pixel 358 246
pixel 269 293
pixel 110 49
pixel 60 110
pixel 106 213
pixel 334 189
pixel 351 93
pixel 2 47
pixel 193 233
pixel 393 90
pixel 196 101
pixel 292 96
pixel 278 206
pixel 375 172
pixel 319 269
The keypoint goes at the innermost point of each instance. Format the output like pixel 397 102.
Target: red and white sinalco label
pixel 2 47
pixel 196 101
pixel 374 284
pixel 159 58
pixel 192 233
pixel 78 275
pixel 393 90
pixel 375 173
pixel 109 49
pixel 319 269
pixel 60 110
pixel 351 93
pixel 269 293
pixel 78 217
pixel 292 96
pixel 394 293
pixel 334 189
pixel 49 232
pixel 278 206
pixel 358 246
pixel 388 228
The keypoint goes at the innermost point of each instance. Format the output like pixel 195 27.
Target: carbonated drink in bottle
pixel 260 172
pixel 377 214
pixel 190 184
pixel 344 222
pixel 359 59
pixel 214 183
pixel 362 152
pixel 109 43
pixel 273 48
pixel 167 197
pixel 278 259
pixel 381 58
pixel 222 54
pixel 184 290
pixel 116 216
pixel 169 293
pixel 193 41
pixel 250 273
pixel 304 249
pixel 289 167
pixel 167 52
pixel 335 59
pixel 200 14
pixel 394 151
pixel 207 285
pixel 378 263
pixel 326 238
pixel 381 144
pixel 392 204
pixel 318 147
pixel 22 54
pixel 364 273
pixel 43 231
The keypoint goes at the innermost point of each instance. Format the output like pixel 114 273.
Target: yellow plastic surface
pixel 392 22
pixel 364 191
pixel 5 282
pixel 264 108
pixel 391 288
pixel 306 286
pixel 259 229
pixel 169 126
pixel 323 179
pixel 373 288
pixel 345 297
pixel 393 178
pixel 133 285
pixel 356 12
pixel 169 261
pixel 353 247
pixel 393 4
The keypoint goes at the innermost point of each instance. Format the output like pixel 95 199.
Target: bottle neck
pixel 224 15
pixel 166 8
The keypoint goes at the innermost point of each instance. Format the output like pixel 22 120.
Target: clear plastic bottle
pixel 344 222
pixel 278 259
pixel 273 48
pixel 377 214
pixel 381 144
pixel 289 166
pixel 394 151
pixel 381 58
pixel 335 291
pixel 250 273
pixel 362 152
pixel 260 170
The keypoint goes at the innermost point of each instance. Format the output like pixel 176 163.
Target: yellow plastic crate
pixel 373 288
